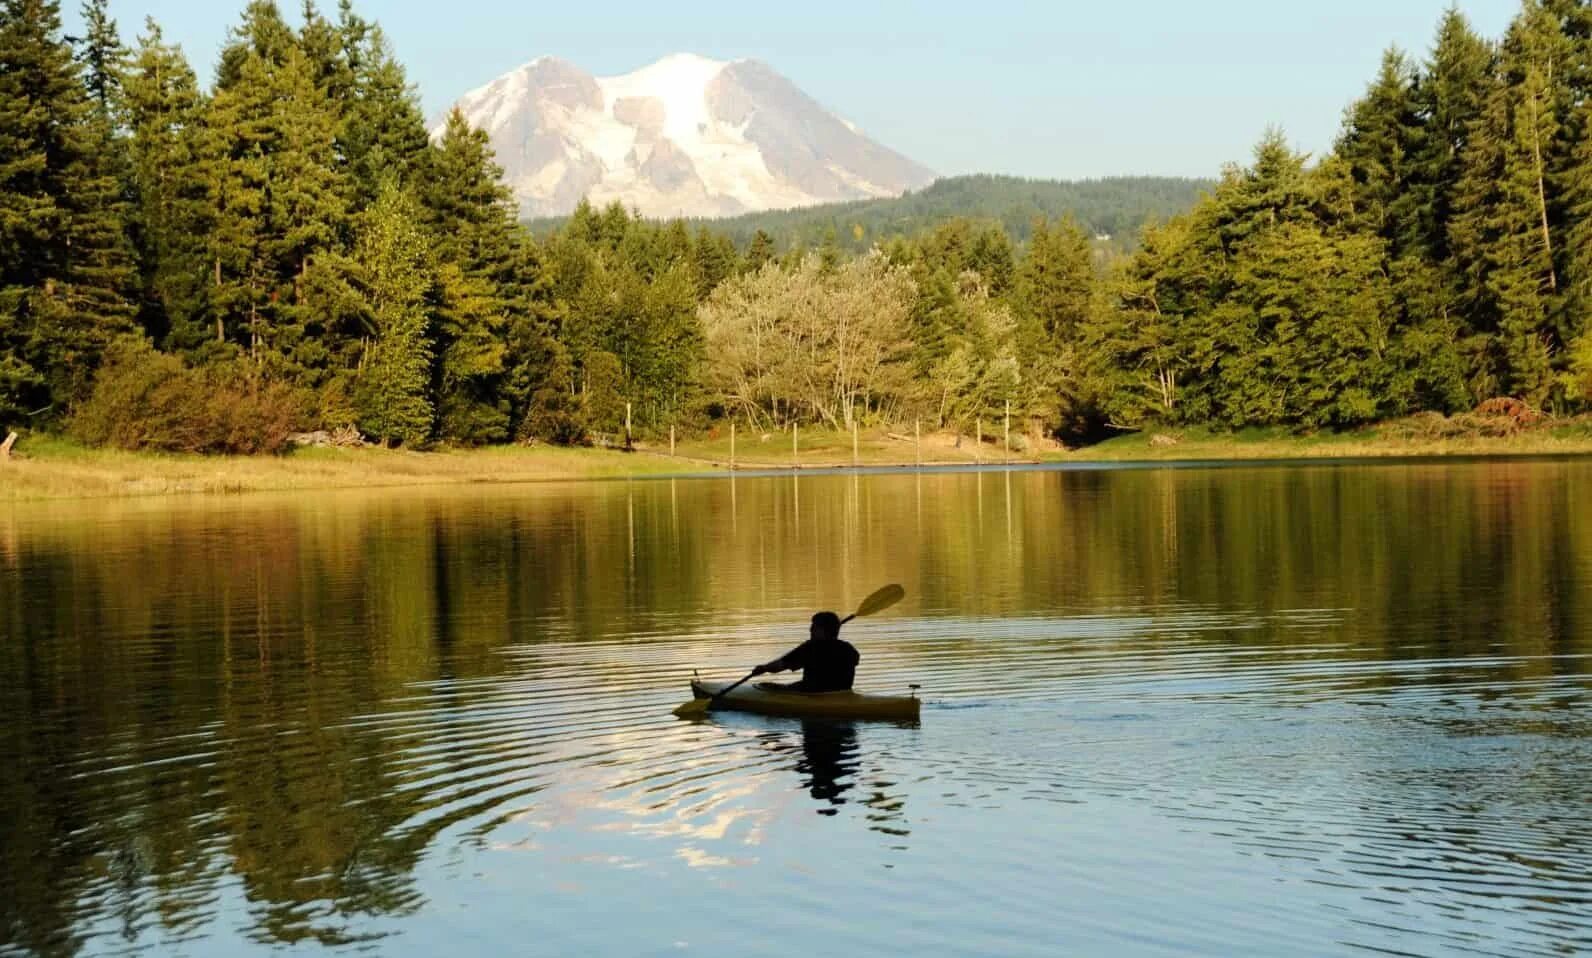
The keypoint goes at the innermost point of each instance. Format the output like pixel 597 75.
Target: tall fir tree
pixel 383 133
pixel 171 212
pixel 104 57
pixel 1502 231
pixel 495 291
pixel 1450 96
pixel 64 262
pixel 713 260
pixel 759 252
pixel 280 206
pixel 1382 132
pixel 393 385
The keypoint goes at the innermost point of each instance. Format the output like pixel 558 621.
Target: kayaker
pixel 828 662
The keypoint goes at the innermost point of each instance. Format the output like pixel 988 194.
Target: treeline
pixel 1437 257
pixel 286 249
pixel 1113 210
pixel 193 268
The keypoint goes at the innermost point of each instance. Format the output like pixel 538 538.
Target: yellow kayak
pixel 838 705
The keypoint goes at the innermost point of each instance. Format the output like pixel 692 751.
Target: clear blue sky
pixel 1051 89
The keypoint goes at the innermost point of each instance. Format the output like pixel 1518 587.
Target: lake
pixel 1304 709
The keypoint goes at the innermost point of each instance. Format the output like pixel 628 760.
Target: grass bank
pixel 1387 441
pixel 50 468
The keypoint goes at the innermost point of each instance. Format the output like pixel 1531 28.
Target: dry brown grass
pixel 54 469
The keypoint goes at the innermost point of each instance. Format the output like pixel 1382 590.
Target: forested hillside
pixel 1112 209
pixel 210 266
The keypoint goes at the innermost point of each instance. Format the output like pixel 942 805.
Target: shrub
pixel 144 399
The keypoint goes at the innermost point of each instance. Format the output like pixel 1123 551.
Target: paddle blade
pixel 696 708
pixel 881 600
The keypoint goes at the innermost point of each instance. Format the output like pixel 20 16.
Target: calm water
pixel 1295 710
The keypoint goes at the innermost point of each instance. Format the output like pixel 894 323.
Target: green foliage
pixel 813 343
pixel 65 268
pixel 1117 207
pixel 391 396
pixel 294 233
pixel 145 399
pixel 170 213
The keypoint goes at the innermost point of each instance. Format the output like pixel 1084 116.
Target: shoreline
pixel 47 468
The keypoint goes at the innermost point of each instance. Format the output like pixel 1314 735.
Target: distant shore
pixel 50 468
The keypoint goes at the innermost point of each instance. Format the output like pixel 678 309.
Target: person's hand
pixel 762 670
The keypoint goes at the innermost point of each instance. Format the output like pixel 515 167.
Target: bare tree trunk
pixel 221 331
pixel 1542 194
pixel 5 447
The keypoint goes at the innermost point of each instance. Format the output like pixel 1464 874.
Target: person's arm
pixel 789 662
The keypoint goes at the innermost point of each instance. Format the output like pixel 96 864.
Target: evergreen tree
pixel 170 213
pixel 1054 284
pixel 103 56
pixel 383 130
pixel 496 319
pixel 323 45
pixel 713 260
pixel 1450 97
pixel 1501 231
pixel 992 257
pixel 64 265
pixel 262 35
pixel 1381 133
pixel 394 378
pixel 280 206
pixel 1134 352
pixel 760 252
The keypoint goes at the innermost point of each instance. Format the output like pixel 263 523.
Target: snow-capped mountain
pixel 686 136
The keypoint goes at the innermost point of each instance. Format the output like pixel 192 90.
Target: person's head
pixel 826 625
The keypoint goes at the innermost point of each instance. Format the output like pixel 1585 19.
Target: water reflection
pixel 271 721
pixel 829 759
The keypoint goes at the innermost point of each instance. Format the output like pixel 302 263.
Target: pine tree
pixel 713 260
pixel 1502 232
pixel 1571 179
pixel 323 45
pixel 1381 132
pixel 103 56
pixel 170 213
pixel 64 264
pixel 1054 284
pixel 262 35
pixel 383 130
pixel 280 205
pixel 992 257
pixel 1134 359
pixel 760 252
pixel 392 391
pixel 495 290
pixel 1450 97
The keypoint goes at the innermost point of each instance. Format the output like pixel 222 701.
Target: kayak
pixel 836 705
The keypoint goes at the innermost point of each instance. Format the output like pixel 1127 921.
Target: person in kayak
pixel 828 662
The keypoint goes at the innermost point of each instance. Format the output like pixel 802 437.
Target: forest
pixel 212 268
pixel 1111 210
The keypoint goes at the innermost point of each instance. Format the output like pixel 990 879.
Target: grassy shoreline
pixel 50 468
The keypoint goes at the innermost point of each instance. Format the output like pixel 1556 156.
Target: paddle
pixel 878 602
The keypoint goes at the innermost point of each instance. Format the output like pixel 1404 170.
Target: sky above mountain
pixel 1048 89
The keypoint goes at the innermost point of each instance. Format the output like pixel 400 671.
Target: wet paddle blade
pixel 696 708
pixel 881 600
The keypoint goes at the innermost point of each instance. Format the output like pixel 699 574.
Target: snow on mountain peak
pixel 686 135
